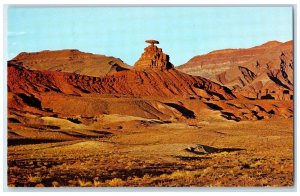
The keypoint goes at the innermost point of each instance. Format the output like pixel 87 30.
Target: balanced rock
pixel 152 42
pixel 153 58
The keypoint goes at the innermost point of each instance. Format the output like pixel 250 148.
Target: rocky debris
pixel 153 58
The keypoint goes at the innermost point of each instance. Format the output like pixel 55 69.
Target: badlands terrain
pixel 222 119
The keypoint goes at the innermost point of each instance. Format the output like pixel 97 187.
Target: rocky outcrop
pixel 248 75
pixel 153 58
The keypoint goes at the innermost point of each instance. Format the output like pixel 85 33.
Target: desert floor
pixel 133 151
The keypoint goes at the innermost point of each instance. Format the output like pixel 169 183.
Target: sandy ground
pixel 133 151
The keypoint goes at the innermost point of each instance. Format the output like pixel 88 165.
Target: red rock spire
pixel 153 58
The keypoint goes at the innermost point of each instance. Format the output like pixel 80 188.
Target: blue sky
pixel 183 32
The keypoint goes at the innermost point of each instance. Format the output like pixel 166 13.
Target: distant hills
pixel 71 61
pixel 261 71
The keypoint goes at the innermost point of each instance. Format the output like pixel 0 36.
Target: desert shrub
pixel 97 183
pixel 183 177
pixel 84 183
pixel 246 166
pixel 255 165
pixel 34 179
pixel 55 184
pixel 115 182
pixel 39 185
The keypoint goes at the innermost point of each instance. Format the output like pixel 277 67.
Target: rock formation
pixel 261 72
pixel 149 91
pixel 160 80
pixel 153 58
pixel 152 42
pixel 124 83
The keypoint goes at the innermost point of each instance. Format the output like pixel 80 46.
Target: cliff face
pixel 262 72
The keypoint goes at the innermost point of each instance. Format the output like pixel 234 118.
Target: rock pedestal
pixel 153 58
